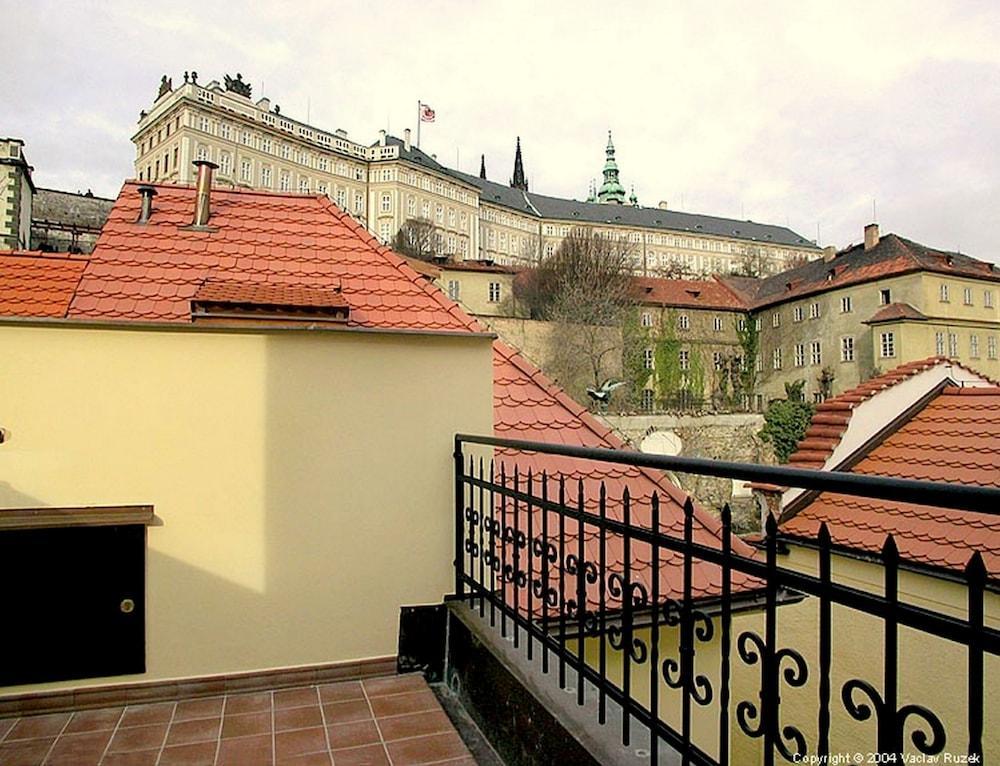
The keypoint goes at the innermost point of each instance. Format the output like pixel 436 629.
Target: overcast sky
pixel 796 113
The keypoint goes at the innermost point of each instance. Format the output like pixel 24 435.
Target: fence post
pixel 459 518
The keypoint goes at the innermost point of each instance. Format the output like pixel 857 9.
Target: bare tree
pixel 418 238
pixel 585 289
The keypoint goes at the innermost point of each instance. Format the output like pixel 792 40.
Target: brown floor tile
pixel 196 754
pixel 369 755
pixel 256 702
pixel 380 687
pixel 246 751
pixel 309 759
pixel 79 749
pixel 195 730
pixel 37 726
pixel 94 720
pixel 297 718
pixel 6 725
pixel 344 712
pixel 415 725
pixel 134 758
pixel 404 704
pixel 145 715
pixel 353 734
pixel 286 698
pixel 299 742
pixel 246 725
pixel 206 708
pixel 29 752
pixel 436 747
pixel 341 692
pixel 138 738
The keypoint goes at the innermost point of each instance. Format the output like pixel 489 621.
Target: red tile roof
pixel 152 271
pixel 34 284
pixel 527 405
pixel 832 417
pixel 488 267
pixel 954 438
pixel 892 256
pixel 894 312
pixel 687 293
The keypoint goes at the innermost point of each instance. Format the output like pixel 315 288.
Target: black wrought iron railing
pixel 653 606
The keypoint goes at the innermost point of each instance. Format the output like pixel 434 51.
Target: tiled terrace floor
pixel 394 721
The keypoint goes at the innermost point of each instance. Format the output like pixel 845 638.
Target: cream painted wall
pixel 303 479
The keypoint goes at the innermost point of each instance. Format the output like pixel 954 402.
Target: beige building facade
pixel 390 181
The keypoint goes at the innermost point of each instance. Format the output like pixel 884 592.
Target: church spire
pixel 519 181
pixel 482 166
pixel 611 190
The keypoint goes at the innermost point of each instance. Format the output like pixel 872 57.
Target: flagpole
pixel 418 124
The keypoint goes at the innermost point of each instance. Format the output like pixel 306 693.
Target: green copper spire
pixel 611 190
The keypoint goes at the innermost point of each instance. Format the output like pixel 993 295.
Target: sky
pixel 818 116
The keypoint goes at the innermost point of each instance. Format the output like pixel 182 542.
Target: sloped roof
pixel 955 438
pixel 528 405
pixel 895 312
pixel 79 211
pixel 832 417
pixel 153 271
pixel 687 293
pixel 892 256
pixel 34 284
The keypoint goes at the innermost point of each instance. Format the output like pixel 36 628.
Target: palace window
pixel 224 131
pixel 797 314
pixel 303 185
pixel 847 349
pixel 884 297
pixel 717 323
pixel 683 322
pixel 800 354
pixel 386 204
pixel 647 358
pixel 776 359
pixel 647 319
pixel 974 346
pixel 814 310
pixel 265 177
pixel 246 171
pixel 265 145
pixel 887 343
pixel 226 164
pixel 286 151
pixel 991 346
pixel 952 344
pixel 342 199
pixel 943 293
pixel 846 304
pixel 685 359
pixel 383 231
pixel 776 319
pixel 285 183
pixel 815 353
pixel 439 213
pixel 494 295
pixel 451 217
pixel 411 206
pixel 717 362
pixel 359 203
pixel 988 298
pixel 322 187
pixel 967 296
pixel 454 289
pixel 939 343
pixel 647 399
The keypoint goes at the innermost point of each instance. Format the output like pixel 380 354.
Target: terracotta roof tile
pixel 527 405
pixel 686 293
pixel 288 241
pixel 955 438
pixel 894 312
pixel 34 284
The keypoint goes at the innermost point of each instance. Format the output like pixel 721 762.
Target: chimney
pixel 406 139
pixel 146 193
pixel 381 138
pixel 830 252
pixel 663 204
pixel 202 205
pixel 871 236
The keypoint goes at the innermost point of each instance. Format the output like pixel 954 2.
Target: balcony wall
pixel 299 478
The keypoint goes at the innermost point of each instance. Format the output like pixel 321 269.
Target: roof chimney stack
pixel 830 252
pixel 406 139
pixel 663 205
pixel 203 201
pixel 871 236
pixel 146 193
pixel 381 138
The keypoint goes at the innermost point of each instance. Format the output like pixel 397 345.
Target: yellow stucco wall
pixel 303 479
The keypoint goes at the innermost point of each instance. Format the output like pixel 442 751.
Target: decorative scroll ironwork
pixel 512 550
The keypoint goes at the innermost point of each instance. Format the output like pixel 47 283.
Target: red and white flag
pixel 426 113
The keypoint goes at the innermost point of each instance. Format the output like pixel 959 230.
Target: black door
pixel 73 603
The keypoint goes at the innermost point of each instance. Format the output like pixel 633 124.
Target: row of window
pixel 494 291
pixel 455 219
pixel 951 338
pixel 684 322
pixel 944 295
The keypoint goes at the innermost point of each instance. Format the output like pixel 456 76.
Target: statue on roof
pixel 237 85
pixel 611 190
pixel 166 85
pixel 482 166
pixel 194 78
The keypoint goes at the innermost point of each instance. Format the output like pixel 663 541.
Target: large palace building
pixel 391 181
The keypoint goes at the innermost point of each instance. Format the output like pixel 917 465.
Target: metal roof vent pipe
pixel 146 194
pixel 203 195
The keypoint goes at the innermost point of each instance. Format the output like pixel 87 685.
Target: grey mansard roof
pixel 556 208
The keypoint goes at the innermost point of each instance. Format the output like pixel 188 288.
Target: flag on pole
pixel 426 113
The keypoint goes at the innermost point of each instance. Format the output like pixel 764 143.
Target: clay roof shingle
pixel 954 438
pixel 153 271
pixel 34 284
pixel 687 293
